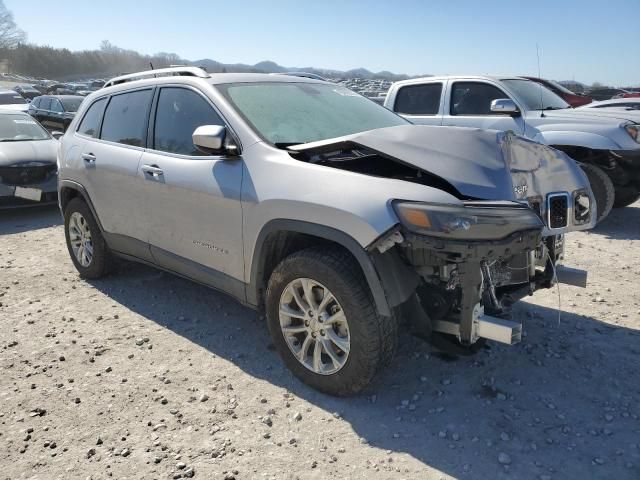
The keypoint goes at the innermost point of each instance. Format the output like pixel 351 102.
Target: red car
pixel 567 95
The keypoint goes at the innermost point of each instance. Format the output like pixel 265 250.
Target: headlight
pixel 634 131
pixel 473 221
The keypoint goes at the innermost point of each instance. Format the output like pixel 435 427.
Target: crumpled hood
pixel 40 151
pixel 479 164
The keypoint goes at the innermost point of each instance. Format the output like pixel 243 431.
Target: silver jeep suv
pixel 340 219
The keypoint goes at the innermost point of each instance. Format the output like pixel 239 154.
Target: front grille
pixel 26 175
pixel 558 210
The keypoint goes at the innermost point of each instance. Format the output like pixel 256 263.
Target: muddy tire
pixel 602 187
pixel 85 243
pixel 625 196
pixel 324 324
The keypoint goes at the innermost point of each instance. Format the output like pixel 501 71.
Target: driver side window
pixel 180 111
pixel 474 98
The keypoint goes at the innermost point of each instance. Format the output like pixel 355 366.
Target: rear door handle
pixel 89 157
pixel 152 170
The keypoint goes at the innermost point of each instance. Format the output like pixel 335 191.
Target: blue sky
pixel 587 40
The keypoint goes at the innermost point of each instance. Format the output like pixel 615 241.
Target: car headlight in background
pixel 634 131
pixel 473 221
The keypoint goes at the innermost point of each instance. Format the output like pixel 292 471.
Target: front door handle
pixel 152 170
pixel 89 158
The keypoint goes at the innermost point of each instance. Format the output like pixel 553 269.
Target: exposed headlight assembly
pixel 634 131
pixel 473 221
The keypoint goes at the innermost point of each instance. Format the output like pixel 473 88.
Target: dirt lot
pixel 145 375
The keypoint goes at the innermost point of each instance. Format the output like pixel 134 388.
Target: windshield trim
pixel 222 88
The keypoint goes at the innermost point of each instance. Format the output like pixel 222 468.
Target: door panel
pixel 194 215
pixel 115 187
pixel 194 212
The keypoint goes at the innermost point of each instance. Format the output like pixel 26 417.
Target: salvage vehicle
pixel 28 171
pixel 338 218
pixel 605 144
pixel 27 92
pixel 55 112
pixel 10 100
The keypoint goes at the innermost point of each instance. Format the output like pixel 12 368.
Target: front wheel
pixel 625 196
pixel 324 323
pixel 602 188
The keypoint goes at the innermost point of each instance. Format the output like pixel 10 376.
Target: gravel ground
pixel 145 375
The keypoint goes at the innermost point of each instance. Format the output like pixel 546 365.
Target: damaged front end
pixel 465 267
pixel 454 270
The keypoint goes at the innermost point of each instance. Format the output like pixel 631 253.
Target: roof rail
pixel 161 72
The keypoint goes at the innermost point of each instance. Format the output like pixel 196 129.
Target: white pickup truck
pixel 606 144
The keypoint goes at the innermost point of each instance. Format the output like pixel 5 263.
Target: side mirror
pixel 209 138
pixel 505 106
pixel 57 135
pixel 213 140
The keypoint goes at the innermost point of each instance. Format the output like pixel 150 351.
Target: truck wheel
pixel 625 196
pixel 85 242
pixel 324 323
pixel 602 188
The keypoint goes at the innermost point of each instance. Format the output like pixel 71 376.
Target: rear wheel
pixel 602 187
pixel 324 323
pixel 87 248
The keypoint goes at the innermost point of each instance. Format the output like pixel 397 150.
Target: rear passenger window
pixel 90 124
pixel 45 103
pixel 474 98
pixel 56 106
pixel 180 111
pixel 419 99
pixel 125 120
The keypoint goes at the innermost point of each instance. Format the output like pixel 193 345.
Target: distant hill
pixel 268 66
pixel 109 60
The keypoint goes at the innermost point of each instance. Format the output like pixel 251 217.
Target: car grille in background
pixel 558 210
pixel 25 175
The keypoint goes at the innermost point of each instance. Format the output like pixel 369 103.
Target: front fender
pixel 321 231
pixel 576 139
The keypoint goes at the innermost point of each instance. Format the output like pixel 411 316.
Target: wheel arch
pixel 67 190
pixel 282 237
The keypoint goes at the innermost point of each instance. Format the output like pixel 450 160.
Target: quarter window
pixel 180 112
pixel 474 98
pixel 419 99
pixel 90 124
pixel 125 119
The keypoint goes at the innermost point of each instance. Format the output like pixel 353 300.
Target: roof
pixel 442 78
pixel 222 78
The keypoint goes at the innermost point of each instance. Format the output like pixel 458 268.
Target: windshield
pixel 535 96
pixel 11 99
pixel 18 128
pixel 71 104
pixel 293 113
pixel 560 87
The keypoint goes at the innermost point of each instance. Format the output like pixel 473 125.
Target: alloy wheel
pixel 314 326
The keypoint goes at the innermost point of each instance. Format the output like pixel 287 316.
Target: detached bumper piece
pixel 485 326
